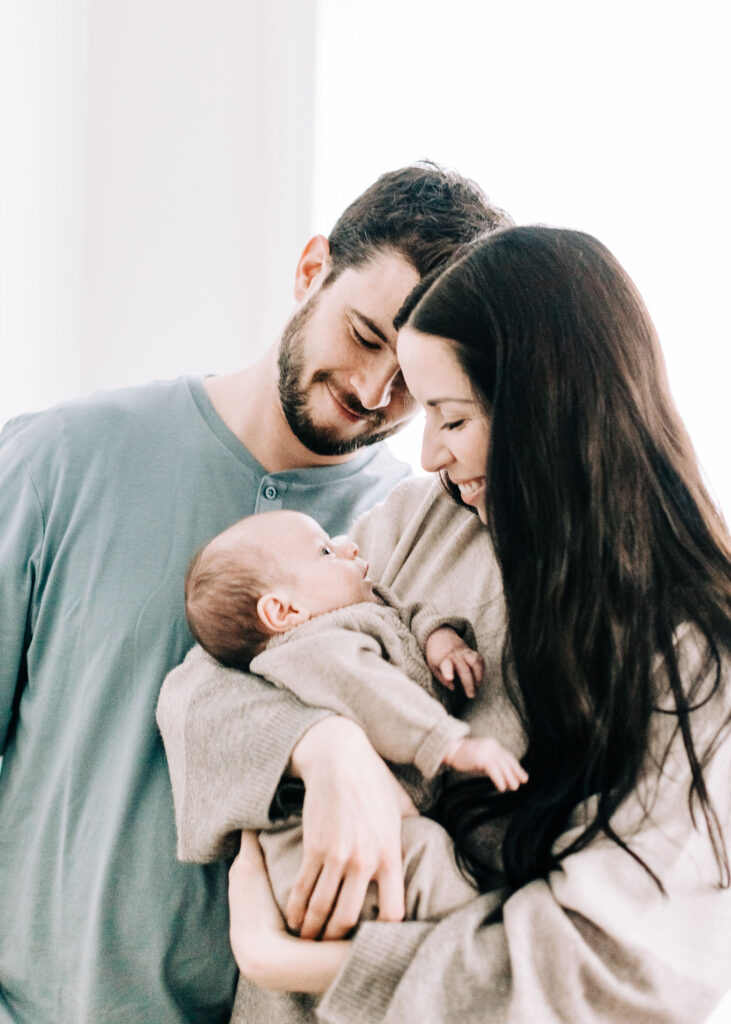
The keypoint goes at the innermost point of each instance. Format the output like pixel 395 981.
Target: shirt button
pixel 270 492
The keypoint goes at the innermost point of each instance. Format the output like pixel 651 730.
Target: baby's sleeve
pixel 343 670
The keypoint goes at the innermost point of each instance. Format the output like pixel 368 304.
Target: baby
pixel 275 595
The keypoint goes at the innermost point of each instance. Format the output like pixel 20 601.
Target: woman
pixel 547 412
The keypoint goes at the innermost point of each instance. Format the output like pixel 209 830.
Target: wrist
pixel 283 963
pixel 452 750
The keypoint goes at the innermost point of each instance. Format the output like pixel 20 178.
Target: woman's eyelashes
pixel 453 424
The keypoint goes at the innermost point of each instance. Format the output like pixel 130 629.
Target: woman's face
pixel 457 431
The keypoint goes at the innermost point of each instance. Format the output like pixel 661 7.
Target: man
pixel 102 504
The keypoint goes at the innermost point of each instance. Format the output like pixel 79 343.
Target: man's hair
pixel 221 595
pixel 424 212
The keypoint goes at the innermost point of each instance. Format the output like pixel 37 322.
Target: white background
pixel 610 118
pixel 155 187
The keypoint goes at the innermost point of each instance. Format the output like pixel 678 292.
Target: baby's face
pixel 322 574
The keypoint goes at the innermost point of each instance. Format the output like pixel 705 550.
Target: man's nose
pixel 374 388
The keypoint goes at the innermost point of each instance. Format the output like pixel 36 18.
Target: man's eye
pixel 454 425
pixel 372 346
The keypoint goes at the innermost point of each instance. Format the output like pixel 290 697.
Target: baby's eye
pixel 325 550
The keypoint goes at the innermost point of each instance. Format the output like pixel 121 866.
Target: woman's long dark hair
pixel 604 532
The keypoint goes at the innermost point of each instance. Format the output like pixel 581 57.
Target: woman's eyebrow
pixel 442 401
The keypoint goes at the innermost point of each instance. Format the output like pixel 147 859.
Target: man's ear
pixel 278 614
pixel 314 263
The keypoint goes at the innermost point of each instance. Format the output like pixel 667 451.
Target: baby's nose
pixel 345 548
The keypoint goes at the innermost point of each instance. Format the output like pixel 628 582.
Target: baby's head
pixel 264 575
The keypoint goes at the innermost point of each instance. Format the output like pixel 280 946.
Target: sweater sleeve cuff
pixel 272 750
pixel 236 788
pixel 429 757
pixel 364 986
pixel 425 624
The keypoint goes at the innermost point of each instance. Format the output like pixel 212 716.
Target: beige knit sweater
pixel 595 942
pixel 365 661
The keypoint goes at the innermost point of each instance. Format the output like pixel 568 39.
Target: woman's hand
pixel 266 954
pixel 256 923
pixel 351 823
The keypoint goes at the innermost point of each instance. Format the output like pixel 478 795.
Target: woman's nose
pixel 434 455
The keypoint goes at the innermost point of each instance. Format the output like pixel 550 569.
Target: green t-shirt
pixel 102 504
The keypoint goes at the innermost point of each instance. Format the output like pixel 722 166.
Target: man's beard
pixel 293 396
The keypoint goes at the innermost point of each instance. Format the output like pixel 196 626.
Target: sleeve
pixel 21 542
pixel 228 737
pixel 596 941
pixel 422 619
pixel 344 670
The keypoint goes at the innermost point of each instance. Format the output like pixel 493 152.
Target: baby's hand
pixel 483 755
pixel 448 655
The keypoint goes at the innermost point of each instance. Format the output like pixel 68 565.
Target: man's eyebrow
pixel 370 324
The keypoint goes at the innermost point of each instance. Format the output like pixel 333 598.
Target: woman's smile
pixel 470 490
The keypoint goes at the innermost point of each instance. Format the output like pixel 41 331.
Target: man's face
pixel 339 380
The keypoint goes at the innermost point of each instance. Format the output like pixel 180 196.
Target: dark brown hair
pixel 221 595
pixel 605 534
pixel 423 211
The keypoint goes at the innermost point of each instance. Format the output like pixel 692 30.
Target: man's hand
pixel 351 821
pixel 447 656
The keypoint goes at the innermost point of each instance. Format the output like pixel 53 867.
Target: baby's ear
pixel 278 614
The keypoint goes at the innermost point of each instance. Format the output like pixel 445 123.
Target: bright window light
pixel 607 118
